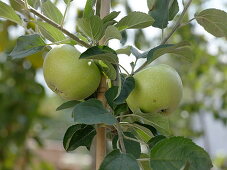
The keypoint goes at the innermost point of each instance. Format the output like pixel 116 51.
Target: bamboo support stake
pixel 101 131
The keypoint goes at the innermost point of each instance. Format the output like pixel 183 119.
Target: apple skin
pixel 67 75
pixel 157 89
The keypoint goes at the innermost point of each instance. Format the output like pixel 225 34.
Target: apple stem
pixel 101 131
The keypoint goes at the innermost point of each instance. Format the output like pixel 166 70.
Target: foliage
pixel 126 127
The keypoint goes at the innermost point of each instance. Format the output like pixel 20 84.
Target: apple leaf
pixel 175 152
pixel 49 32
pixel 34 3
pixel 153 141
pixel 142 132
pixel 52 12
pixel 131 147
pixel 78 135
pixel 67 105
pixel 67 1
pixel 111 33
pixel 110 95
pixel 145 165
pixel 181 49
pixel 116 160
pixel 92 112
pixel 157 120
pixel 150 4
pixel 92 27
pixel 125 50
pixel 173 10
pixel 135 20
pixel 103 53
pixel 110 16
pixel 151 128
pixel 127 87
pixel 88 10
pixel 27 45
pixel 160 13
pixel 8 12
pixel 108 69
pixel 213 21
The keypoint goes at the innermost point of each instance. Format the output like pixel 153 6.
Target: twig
pixel 66 9
pixel 177 24
pixel 124 69
pixel 43 17
pixel 186 23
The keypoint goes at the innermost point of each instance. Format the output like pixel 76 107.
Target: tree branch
pixel 49 21
pixel 177 25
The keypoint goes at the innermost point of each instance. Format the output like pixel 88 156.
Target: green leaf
pixel 111 33
pixel 67 105
pixel 88 10
pixel 142 132
pixel 8 13
pixel 49 32
pixel 92 112
pixel 128 86
pixel 78 135
pixel 92 27
pixel 52 12
pixel 151 128
pixel 34 3
pixel 110 16
pixel 160 13
pixel 126 50
pixel 173 10
pixel 173 153
pixel 67 1
pixel 27 45
pixel 108 69
pixel 131 147
pixel 119 161
pixel 153 141
pixel 103 53
pixel 110 95
pixel 157 120
pixel 213 21
pixel 150 4
pixel 145 165
pixel 136 20
pixel 180 49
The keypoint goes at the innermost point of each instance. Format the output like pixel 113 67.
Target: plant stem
pixel 66 9
pixel 124 69
pixel 186 23
pixel 101 131
pixel 54 24
pixel 175 27
pixel 177 24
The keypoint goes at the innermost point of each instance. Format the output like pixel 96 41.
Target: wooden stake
pixel 101 131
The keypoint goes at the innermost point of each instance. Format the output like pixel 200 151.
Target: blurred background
pixel 31 131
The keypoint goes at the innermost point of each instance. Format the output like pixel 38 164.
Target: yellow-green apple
pixel 67 75
pixel 157 89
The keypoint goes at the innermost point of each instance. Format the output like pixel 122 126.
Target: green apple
pixel 157 89
pixel 67 75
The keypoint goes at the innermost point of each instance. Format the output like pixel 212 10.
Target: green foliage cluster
pixel 124 128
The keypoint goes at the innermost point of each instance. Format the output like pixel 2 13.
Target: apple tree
pixel 128 109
